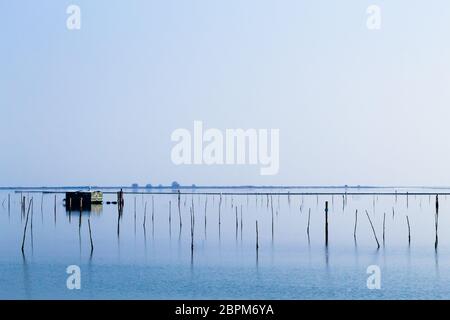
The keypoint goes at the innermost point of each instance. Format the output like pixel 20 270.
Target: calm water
pixel 156 262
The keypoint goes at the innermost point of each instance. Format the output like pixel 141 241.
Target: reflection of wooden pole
pixel 326 223
pixel 407 199
pixel 170 212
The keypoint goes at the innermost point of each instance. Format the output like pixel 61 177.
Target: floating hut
pixel 80 200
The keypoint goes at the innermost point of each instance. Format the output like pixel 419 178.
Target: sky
pixel 98 105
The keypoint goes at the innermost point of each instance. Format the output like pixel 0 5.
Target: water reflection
pixel 281 217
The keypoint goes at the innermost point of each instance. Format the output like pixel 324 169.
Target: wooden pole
pixel 242 224
pixel 257 240
pixel 220 204
pixel 90 234
pixel 23 206
pixel 373 229
pixel 326 223
pixel 309 219
pixel 153 215
pixel 206 205
pixel 356 222
pixel 436 218
pixel 236 222
pixel 145 214
pixel 134 214
pixel 79 221
pixel 54 210
pixel 409 230
pixel 26 224
pixel 179 209
pixel 384 226
pixel 170 212
pixel 192 229
pixel 271 204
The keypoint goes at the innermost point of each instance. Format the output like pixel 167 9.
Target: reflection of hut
pixel 79 200
pixel 96 209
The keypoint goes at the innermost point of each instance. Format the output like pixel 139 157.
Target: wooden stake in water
pixel 145 214
pixel 271 204
pixel 356 222
pixel 384 226
pixel 373 230
pixel 409 230
pixel 326 223
pixel 236 222
pixel 257 240
pixel 206 204
pixel 26 224
pixel 309 218
pixel 170 212
pixel 192 229
pixel 135 215
pixel 179 209
pixel 153 216
pixel 220 204
pixel 90 234
pixel 436 218
pixel 242 224
pixel 54 211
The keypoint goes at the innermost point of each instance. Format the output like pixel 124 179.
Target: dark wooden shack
pixel 78 200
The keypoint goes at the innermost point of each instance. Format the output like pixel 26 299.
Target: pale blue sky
pixel 98 105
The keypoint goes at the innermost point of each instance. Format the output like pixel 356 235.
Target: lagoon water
pixel 156 262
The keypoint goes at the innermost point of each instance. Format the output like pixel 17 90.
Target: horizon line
pixel 193 186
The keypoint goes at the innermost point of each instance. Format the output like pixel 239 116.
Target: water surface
pixel 133 260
